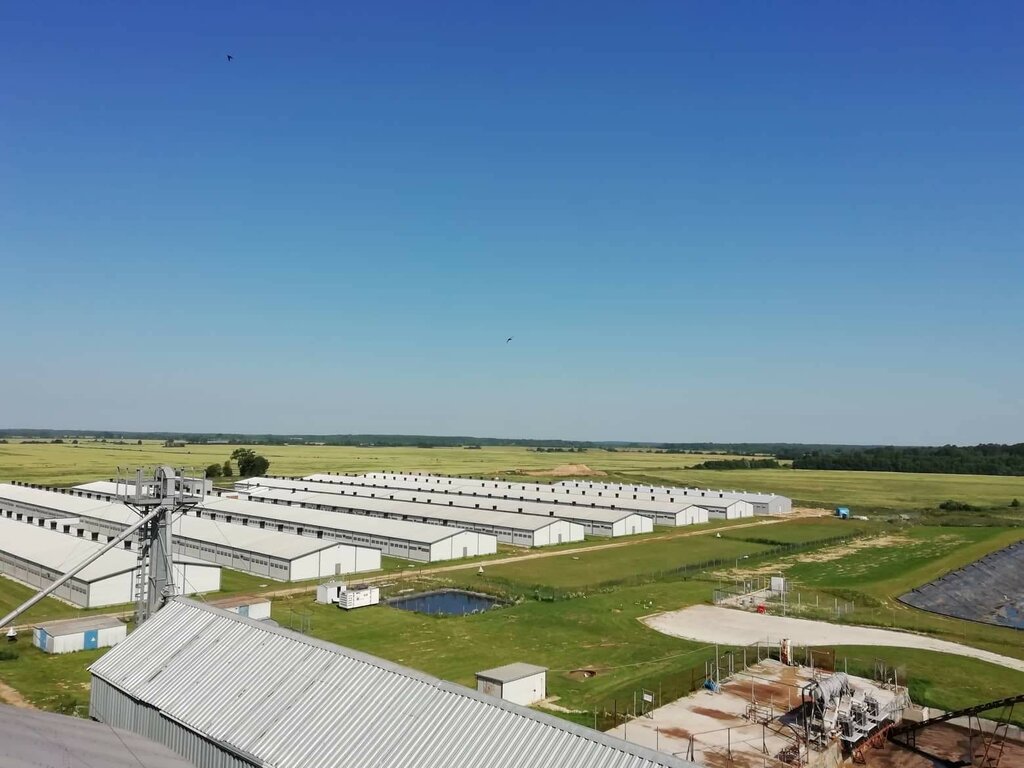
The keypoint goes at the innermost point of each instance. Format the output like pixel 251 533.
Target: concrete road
pixel 711 624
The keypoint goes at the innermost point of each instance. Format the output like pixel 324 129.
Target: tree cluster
pixel 250 463
pixel 986 459
pixel 740 464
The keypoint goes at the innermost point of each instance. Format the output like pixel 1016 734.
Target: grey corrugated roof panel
pixel 29 737
pixel 64 502
pixel 540 496
pixel 60 552
pixel 396 529
pixel 441 511
pixel 73 626
pixel 293 701
pixel 509 673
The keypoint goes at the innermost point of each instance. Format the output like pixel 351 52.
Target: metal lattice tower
pixel 160 495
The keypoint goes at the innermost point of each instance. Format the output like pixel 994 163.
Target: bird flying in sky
pixel 508 339
pixel 229 56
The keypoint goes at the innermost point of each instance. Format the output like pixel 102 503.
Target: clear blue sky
pixel 700 221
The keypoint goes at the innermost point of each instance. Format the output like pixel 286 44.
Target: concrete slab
pixel 711 624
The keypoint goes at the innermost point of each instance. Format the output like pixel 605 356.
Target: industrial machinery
pixel 157 497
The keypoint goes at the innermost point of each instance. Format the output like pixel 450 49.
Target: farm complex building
pixel 517 529
pixel 278 556
pixel 37 556
pixel 230 692
pixel 672 515
pixel 395 538
pixel 539 497
pixel 762 503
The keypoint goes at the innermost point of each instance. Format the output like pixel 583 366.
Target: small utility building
pixel 78 634
pixel 519 683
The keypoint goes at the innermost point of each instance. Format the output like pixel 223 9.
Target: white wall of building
pixel 465 544
pixel 526 691
pixel 632 524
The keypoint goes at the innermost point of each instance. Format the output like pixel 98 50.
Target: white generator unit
pixel 359 597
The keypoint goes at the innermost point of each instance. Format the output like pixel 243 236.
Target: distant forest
pixel 986 459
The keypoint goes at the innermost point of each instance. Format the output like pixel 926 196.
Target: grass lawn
pixel 59 683
pixel 873 572
pixel 67 464
pixel 646 558
pixel 804 531
pixel 862 491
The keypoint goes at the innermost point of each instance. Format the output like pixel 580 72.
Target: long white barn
pixel 510 503
pixel 521 530
pixel 395 538
pixel 762 503
pixel 101 519
pixel 37 556
pixel 661 512
pixel 595 521
pixel 278 556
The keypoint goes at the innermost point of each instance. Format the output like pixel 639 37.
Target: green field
pixel 579 608
pixel 66 464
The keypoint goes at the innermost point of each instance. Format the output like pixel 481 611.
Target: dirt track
pixel 10 696
pixel 710 624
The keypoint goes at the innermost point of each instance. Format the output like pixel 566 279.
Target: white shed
pixel 78 634
pixel 519 683
pixel 329 592
pixel 254 607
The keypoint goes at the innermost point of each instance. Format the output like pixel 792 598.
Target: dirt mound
pixel 567 470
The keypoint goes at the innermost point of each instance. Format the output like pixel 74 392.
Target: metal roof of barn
pixel 363 524
pixel 47 740
pixel 438 509
pixel 292 701
pixel 546 496
pixel 48 499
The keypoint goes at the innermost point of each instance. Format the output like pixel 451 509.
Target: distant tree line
pixel 549 449
pixel 740 464
pixel 985 459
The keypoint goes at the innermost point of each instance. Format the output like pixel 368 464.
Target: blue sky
pixel 729 221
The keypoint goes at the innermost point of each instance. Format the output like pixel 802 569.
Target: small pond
pixel 445 602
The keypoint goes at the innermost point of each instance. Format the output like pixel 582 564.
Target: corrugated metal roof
pixel 46 740
pixel 437 509
pixel 667 490
pixel 285 546
pixel 60 552
pixel 48 499
pixel 73 626
pixel 545 496
pixel 293 702
pixel 373 526
pixel 511 672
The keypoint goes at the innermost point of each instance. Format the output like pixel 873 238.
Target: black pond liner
pixel 446 602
